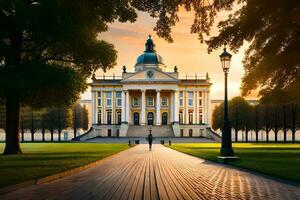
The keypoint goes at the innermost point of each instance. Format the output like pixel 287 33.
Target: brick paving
pixel 160 174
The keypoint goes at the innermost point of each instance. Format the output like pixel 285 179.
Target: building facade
pixel 150 98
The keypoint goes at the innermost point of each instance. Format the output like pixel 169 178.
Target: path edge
pixel 53 177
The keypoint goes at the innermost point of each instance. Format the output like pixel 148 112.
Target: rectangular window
pixel 150 101
pixel 181 94
pixel 200 102
pixel 181 118
pixel 119 102
pixel 135 101
pixel 200 94
pixel 108 94
pixel 190 102
pixel 118 94
pixel 108 99
pixel 190 94
pixel 99 117
pixel 108 102
pixel 200 119
pixel 100 102
pixel 181 102
pixel 164 101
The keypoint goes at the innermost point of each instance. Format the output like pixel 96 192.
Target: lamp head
pixel 225 58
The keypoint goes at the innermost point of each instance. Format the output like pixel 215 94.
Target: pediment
pixel 150 75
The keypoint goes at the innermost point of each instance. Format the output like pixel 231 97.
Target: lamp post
pixel 226 148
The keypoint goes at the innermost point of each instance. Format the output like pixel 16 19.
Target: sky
pixel 186 52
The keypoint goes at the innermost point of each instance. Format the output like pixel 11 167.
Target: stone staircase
pixel 143 131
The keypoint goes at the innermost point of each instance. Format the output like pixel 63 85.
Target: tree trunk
pixel 284 124
pixel 236 134
pixel 43 135
pixel 51 134
pixel 32 136
pixel 59 135
pixel 12 138
pixel 256 135
pixel 294 111
pixel 246 133
pixel 22 132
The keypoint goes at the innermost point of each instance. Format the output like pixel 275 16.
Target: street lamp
pixel 226 148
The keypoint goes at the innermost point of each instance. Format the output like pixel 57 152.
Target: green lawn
pixel 279 160
pixel 42 159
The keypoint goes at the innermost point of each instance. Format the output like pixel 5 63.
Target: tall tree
pixel 49 48
pixel 272 29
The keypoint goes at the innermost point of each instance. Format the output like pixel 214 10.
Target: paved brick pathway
pixel 160 174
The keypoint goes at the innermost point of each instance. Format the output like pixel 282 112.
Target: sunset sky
pixel 187 53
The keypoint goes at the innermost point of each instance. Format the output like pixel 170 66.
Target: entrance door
pixel 136 118
pixel 150 118
pixel 164 118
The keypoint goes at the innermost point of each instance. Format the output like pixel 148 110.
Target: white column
pixel 186 104
pixel 94 107
pixel 158 117
pixel 127 107
pixel 208 107
pixel 176 107
pixel 143 111
pixel 204 107
pixel 195 107
pixel 123 113
pixel 113 112
pixel 172 107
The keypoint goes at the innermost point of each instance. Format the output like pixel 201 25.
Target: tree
pixel 85 118
pixel 239 113
pixel 273 33
pixel 77 118
pixel 49 48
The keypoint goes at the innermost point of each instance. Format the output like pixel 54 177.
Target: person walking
pixel 150 138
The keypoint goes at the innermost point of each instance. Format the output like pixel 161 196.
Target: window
pixel 190 102
pixel 164 101
pixel 119 118
pixel 191 132
pixel 200 94
pixel 99 99
pixel 99 117
pixel 108 117
pixel 181 98
pixel 190 98
pixel 180 117
pixel 119 98
pixel 181 94
pixel 109 132
pixel 181 102
pixel 135 101
pixel 200 102
pixel 108 99
pixel 150 101
pixel 190 118
pixel 181 132
pixel 201 118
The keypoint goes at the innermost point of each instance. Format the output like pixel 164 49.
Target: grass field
pixel 279 160
pixel 42 159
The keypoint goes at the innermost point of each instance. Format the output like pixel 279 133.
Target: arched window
pixel 191 132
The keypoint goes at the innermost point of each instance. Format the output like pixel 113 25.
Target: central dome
pixel 149 56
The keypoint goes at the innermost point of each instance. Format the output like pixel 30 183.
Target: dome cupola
pixel 149 57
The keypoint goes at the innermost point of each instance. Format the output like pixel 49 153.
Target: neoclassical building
pixel 150 98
